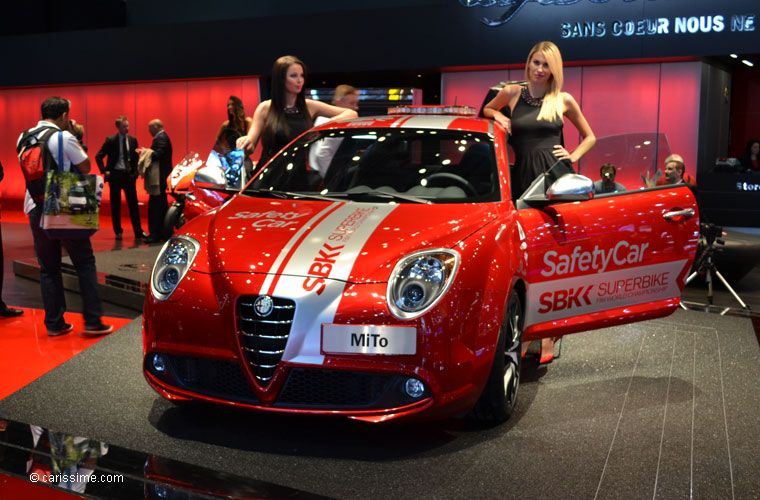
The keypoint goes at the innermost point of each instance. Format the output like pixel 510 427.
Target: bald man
pixel 675 172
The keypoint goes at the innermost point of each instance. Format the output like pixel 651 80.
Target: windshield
pixel 384 164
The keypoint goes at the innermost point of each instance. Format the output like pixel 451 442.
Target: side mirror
pixel 571 187
pixel 210 177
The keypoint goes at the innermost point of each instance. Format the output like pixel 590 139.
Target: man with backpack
pixel 50 145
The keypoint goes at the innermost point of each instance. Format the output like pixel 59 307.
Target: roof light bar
pixel 433 110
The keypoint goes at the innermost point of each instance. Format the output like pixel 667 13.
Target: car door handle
pixel 686 213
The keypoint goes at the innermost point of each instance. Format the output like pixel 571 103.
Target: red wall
pixel 192 111
pixel 615 99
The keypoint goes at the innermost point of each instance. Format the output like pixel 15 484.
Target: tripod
pixel 706 264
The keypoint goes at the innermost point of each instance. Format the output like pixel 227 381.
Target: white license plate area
pixel 369 339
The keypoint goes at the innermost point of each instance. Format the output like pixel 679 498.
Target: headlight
pixel 419 280
pixel 172 264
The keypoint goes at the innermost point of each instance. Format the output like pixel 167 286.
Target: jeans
pixel 48 252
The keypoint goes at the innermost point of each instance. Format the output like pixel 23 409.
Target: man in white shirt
pixel 55 114
pixel 322 151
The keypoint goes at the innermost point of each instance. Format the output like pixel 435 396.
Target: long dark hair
pixel 236 117
pixel 748 149
pixel 276 116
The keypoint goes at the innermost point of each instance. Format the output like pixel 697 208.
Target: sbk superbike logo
pixel 585 280
pixel 322 266
pixel 565 299
pixel 327 257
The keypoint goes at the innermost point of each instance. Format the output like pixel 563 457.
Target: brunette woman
pixel 279 120
pixel 751 158
pixel 236 126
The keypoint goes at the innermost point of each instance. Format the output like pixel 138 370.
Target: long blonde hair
pixel 552 108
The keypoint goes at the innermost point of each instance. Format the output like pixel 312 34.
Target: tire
pixel 499 397
pixel 173 219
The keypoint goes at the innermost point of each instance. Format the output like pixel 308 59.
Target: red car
pixel 401 279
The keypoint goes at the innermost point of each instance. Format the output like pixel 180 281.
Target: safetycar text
pixel 270 219
pixel 597 260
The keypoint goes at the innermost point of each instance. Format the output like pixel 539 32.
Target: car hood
pixel 355 242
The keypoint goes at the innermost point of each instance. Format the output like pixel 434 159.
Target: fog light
pixel 159 364
pixel 414 388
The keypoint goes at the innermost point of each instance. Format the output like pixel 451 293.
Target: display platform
pixel 124 272
pixel 661 409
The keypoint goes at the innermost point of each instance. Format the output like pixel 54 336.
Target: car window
pixel 637 158
pixel 435 166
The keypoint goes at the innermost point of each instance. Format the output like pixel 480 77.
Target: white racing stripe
pixel 563 298
pixel 427 122
pixel 287 248
pixel 327 255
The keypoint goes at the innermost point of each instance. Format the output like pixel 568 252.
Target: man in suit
pixel 120 172
pixel 158 204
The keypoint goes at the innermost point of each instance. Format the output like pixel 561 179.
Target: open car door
pixel 597 261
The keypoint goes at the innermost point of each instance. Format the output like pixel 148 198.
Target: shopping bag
pixel 71 204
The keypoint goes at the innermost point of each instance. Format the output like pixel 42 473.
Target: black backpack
pixel 35 158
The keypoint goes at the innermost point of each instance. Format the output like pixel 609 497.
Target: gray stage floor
pixel 661 409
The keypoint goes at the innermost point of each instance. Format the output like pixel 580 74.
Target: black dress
pixel 533 142
pixel 296 125
pixel 228 139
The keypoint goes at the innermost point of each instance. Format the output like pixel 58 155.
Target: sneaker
pixel 67 327
pixel 99 329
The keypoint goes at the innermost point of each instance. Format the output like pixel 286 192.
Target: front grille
pixel 212 377
pixel 318 388
pixel 264 339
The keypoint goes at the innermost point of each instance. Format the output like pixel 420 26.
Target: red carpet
pixel 11 487
pixel 26 351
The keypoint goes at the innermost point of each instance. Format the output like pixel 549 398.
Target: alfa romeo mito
pixel 379 268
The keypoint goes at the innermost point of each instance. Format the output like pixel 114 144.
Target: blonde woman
pixel 537 112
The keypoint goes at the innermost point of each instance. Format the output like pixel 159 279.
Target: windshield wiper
pixel 373 193
pixel 286 195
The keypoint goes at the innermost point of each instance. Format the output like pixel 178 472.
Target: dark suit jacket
pixel 162 152
pixel 110 149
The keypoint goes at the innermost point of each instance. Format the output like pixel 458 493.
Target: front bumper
pixel 203 340
pixel 306 389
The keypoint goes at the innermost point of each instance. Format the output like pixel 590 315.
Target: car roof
pixel 435 122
